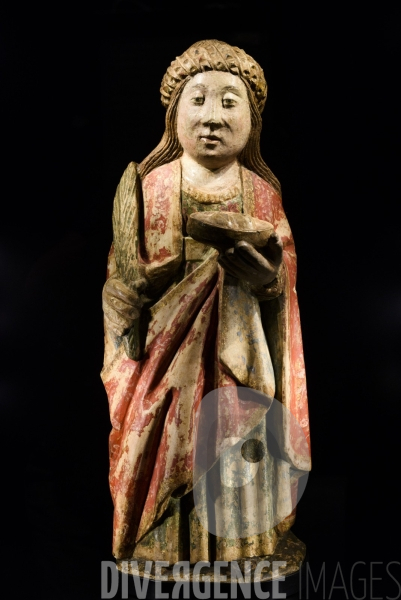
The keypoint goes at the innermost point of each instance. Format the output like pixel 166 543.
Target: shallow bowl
pixel 222 229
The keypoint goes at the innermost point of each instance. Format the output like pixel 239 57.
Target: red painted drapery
pixel 190 350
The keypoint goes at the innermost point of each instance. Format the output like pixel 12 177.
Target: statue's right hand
pixel 121 305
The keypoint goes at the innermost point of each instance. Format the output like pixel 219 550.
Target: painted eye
pixel 229 102
pixel 198 100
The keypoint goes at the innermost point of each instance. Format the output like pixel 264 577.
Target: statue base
pixel 286 579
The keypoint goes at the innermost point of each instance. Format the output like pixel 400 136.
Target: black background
pixel 80 99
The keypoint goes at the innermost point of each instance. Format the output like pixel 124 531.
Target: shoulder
pixel 260 198
pixel 260 185
pixel 163 174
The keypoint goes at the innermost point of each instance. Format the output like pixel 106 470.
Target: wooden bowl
pixel 222 229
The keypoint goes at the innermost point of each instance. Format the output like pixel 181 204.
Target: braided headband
pixel 212 55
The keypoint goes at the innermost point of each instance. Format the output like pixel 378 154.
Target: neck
pixel 209 179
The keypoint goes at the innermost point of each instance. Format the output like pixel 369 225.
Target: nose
pixel 213 113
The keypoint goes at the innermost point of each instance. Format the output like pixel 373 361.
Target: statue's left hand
pixel 245 262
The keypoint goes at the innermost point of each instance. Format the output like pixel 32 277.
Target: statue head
pixel 233 76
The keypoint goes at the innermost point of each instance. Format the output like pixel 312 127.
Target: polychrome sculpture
pixel 186 314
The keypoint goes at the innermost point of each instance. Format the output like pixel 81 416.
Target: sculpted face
pixel 214 119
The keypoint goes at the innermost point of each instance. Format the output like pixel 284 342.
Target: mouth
pixel 210 139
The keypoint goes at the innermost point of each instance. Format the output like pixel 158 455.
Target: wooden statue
pixel 200 296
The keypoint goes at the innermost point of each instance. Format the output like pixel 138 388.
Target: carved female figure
pixel 182 319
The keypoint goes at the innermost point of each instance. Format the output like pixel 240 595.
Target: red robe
pixel 154 402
